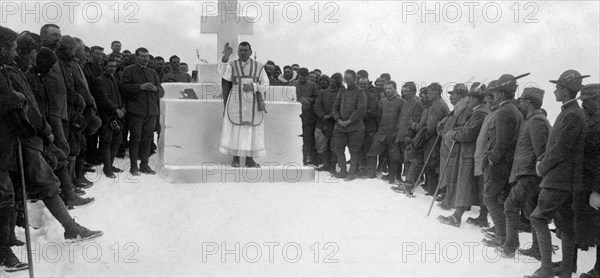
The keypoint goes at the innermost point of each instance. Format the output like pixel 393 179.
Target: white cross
pixel 227 25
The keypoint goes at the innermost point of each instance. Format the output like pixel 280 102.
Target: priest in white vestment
pixel 243 133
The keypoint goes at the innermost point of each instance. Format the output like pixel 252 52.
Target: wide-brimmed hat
pixel 571 79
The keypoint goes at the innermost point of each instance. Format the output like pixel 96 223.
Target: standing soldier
pixel 480 146
pixel 306 93
pixel 369 119
pixel 411 111
pixel 427 135
pixel 389 109
pixel 530 149
pixel 10 103
pixel 561 170
pixel 467 189
pixel 502 137
pixel 455 120
pixel 348 110
pixel 141 88
pixel 325 123
pixel 586 199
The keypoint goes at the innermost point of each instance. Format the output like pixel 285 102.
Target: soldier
pixel 480 145
pixel 348 110
pixel 586 199
pixel 411 111
pixel 10 103
pixel 306 92
pixel 531 146
pixel 389 109
pixel 427 127
pixel 502 138
pixel 561 170
pixel 325 123
pixel 455 120
pixel 369 119
pixel 467 189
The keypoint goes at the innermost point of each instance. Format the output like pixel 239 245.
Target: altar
pixel 191 129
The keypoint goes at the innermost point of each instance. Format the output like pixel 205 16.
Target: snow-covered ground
pixel 328 228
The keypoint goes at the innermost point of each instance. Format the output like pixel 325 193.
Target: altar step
pixel 224 173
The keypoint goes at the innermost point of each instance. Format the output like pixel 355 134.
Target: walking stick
pixel 443 173
pixel 24 193
pixel 410 194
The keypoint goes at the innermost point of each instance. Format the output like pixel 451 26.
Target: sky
pixel 468 41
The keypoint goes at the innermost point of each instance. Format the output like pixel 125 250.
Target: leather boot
pixel 326 162
pixel 343 173
pixel 12 238
pixel 353 167
pixel 8 261
pixel 393 166
pixel 371 167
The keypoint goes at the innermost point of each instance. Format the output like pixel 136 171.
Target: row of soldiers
pixel 51 102
pixel 491 151
pixel 39 137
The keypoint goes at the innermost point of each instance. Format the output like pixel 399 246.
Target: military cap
pixel 509 81
pixel 478 90
pixel 460 89
pixel 492 86
pixel 589 91
pixel 303 72
pixel 533 93
pixel 571 79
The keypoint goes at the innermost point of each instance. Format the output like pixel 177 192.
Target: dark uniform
pixel 306 93
pixel 324 131
pixel 370 121
pixel 502 136
pixel 530 149
pixel 385 138
pixel 427 128
pixel 587 219
pixel 142 111
pixel 107 95
pixel 411 112
pixel 350 104
pixel 562 170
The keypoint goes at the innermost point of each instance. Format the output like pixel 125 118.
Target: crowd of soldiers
pixel 491 151
pixel 65 108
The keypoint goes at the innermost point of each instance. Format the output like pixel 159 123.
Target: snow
pixel 360 228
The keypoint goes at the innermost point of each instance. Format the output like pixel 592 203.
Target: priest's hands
pixel 595 200
pixel 227 51
pixel 249 88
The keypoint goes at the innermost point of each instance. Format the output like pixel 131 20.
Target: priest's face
pixel 244 52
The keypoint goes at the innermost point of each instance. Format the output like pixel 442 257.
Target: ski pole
pixel 423 169
pixel 443 173
pixel 26 216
